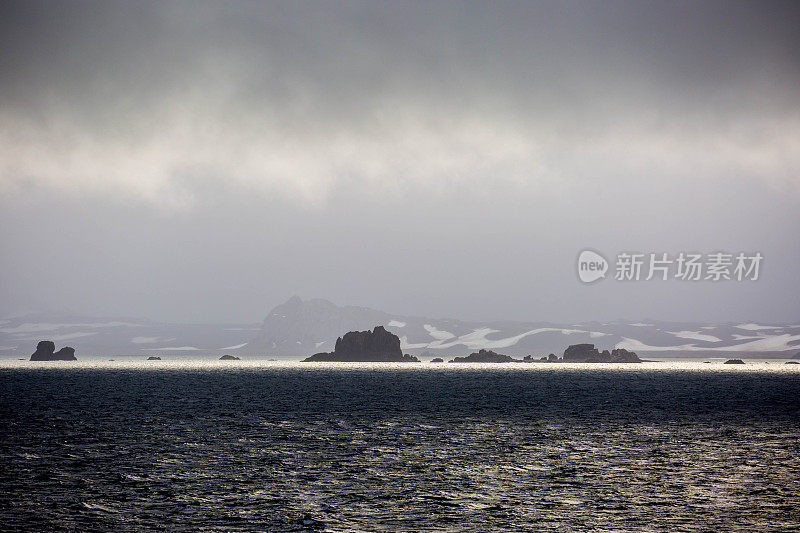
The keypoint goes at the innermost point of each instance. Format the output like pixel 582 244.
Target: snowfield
pixel 695 336
pixel 298 328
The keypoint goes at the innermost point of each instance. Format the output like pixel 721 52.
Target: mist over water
pixel 249 446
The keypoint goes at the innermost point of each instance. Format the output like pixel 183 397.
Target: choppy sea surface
pixel 258 446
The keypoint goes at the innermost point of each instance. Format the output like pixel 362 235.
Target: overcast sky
pixel 200 162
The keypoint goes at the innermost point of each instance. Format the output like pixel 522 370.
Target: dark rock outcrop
pixel 587 353
pixel 154 358
pixel 229 358
pixel 621 355
pixel 543 359
pixel 378 346
pixel 580 353
pixel 46 351
pixel 734 362
pixel 437 360
pixel 67 353
pixel 485 356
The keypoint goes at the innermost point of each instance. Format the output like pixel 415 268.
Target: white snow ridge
pixel 695 336
pixel 755 327
pixel 235 347
pixel 437 333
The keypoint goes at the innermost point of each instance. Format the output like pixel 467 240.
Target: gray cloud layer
pixel 445 158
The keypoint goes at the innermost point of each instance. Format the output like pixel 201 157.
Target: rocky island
pixel 552 358
pixel 46 351
pixel 485 356
pixel 587 353
pixel 378 346
pixel 383 346
pixel 576 353
pixel 229 358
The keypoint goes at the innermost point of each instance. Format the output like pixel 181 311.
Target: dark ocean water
pixel 479 448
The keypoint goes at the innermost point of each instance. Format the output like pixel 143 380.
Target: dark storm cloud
pixel 366 45
pixel 529 114
pixel 132 75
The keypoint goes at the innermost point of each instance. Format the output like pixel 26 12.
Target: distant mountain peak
pixel 299 327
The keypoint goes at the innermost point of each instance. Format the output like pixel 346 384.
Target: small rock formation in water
pixel 621 355
pixel 734 362
pixel 543 359
pixel 67 353
pixel 440 360
pixel 792 363
pixel 154 358
pixel 587 353
pixel 228 358
pixel 485 356
pixel 552 358
pixel 46 351
pixel 378 346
